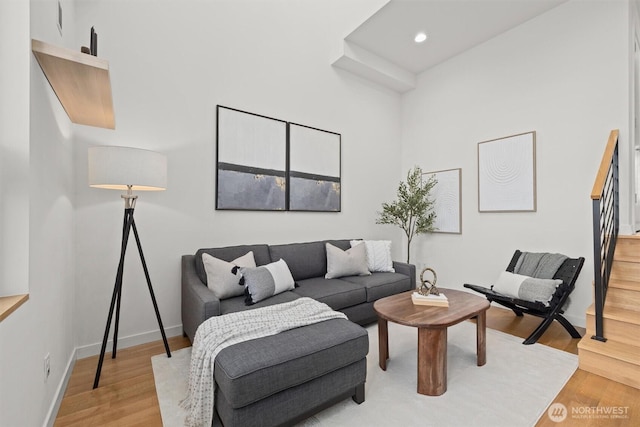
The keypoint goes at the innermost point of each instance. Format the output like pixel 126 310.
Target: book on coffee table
pixel 434 300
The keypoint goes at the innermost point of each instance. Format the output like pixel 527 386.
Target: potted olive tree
pixel 413 209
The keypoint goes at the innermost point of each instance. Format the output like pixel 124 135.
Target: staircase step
pixel 625 270
pixel 617 313
pixel 625 284
pixel 620 324
pixel 627 248
pixel 614 360
pixel 623 298
pixel 615 350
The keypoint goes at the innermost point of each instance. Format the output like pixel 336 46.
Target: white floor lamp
pixel 126 169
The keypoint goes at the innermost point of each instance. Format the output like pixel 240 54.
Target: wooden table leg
pixel 481 332
pixel 383 343
pixel 432 361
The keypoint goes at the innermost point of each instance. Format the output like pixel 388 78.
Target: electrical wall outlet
pixel 47 367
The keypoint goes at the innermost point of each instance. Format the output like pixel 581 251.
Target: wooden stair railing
pixel 606 222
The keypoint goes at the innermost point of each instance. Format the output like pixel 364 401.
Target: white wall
pixel 44 324
pixel 171 62
pixel 14 161
pixel 564 74
pixel 14 147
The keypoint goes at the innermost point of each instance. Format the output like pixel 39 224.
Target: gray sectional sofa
pixel 294 374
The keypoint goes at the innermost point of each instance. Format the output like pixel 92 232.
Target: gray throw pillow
pixel 266 281
pixel 352 262
pixel 222 276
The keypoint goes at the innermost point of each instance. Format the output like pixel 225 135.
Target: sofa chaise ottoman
pixel 283 379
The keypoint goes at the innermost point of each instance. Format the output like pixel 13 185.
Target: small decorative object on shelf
pixel 93 44
pixel 427 293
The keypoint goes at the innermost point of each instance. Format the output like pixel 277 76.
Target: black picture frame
pixel 314 169
pixel 251 161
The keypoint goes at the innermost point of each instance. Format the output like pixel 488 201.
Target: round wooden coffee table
pixel 432 323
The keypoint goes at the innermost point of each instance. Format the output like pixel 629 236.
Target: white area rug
pixel 513 389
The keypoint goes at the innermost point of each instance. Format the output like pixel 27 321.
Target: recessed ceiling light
pixel 420 37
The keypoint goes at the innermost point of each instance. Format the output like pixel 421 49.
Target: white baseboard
pixel 130 341
pixel 626 230
pixel 62 387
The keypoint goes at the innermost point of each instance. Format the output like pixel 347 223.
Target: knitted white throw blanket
pixel 220 332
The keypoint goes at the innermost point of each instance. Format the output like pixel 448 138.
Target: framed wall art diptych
pixel 507 174
pixel 447 196
pixel 269 164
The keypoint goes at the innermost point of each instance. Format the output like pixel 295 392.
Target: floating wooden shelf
pixel 9 304
pixel 81 83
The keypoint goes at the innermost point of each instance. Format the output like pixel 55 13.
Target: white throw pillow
pixel 221 279
pixel 352 262
pixel 378 254
pixel 526 288
pixel 508 284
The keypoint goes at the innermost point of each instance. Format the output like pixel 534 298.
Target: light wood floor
pixel 127 395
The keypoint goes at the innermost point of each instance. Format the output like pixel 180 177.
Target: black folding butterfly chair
pixel 568 273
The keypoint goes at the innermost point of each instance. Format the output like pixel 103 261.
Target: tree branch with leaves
pixel 413 210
